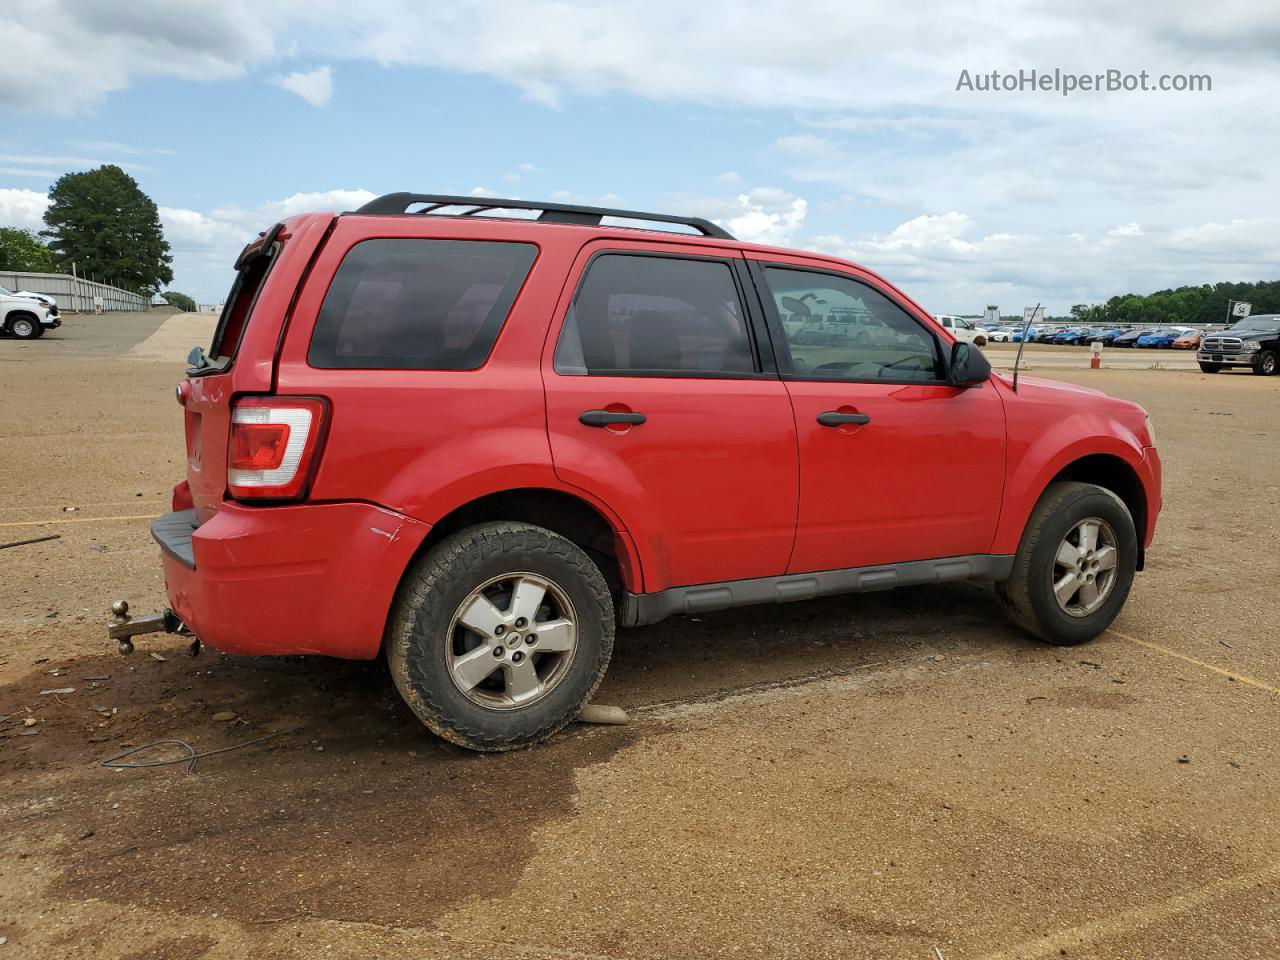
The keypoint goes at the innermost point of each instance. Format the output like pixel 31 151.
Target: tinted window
pixel 839 329
pixel 418 304
pixel 654 315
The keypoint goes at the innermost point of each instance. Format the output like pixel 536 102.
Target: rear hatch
pixel 241 357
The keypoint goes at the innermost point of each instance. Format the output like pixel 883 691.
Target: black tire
pixel 24 326
pixel 1268 363
pixel 1209 367
pixel 1027 596
pixel 419 645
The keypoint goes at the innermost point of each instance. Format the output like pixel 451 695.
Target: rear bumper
pixel 306 579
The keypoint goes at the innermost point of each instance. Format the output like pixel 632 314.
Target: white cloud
pixel 941 261
pixel 28 172
pixel 23 208
pixel 315 86
pixel 767 215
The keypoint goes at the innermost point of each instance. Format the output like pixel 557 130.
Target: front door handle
pixel 606 418
pixel 833 419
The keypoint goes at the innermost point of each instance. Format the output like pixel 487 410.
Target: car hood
pixel 1051 388
pixel 1245 333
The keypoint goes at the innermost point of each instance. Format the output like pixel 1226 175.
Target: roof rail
pixel 551 212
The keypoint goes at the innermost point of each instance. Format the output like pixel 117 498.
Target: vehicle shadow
pixel 362 814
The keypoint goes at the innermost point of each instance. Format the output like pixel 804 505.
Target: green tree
pixel 23 250
pixel 179 300
pixel 109 228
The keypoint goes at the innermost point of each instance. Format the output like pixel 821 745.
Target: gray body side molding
pixel 638 609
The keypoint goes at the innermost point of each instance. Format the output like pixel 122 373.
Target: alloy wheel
pixel 1084 567
pixel 511 641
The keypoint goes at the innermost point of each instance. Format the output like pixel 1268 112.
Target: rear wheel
pixel 24 326
pixel 500 635
pixel 1267 364
pixel 1074 567
pixel 1209 367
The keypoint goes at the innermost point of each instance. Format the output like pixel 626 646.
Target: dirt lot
pixel 872 776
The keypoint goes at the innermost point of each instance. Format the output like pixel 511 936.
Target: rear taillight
pixel 274 446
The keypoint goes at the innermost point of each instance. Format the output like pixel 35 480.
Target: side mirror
pixel 968 367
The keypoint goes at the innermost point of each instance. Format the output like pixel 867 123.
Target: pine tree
pixel 109 228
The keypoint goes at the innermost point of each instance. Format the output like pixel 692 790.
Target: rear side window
pixel 655 316
pixel 404 304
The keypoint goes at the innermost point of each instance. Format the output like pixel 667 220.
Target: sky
pixel 852 128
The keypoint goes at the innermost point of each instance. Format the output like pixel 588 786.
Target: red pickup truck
pixel 480 434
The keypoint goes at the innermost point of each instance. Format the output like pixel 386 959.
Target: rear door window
pixel 252 268
pixel 638 315
pixel 409 304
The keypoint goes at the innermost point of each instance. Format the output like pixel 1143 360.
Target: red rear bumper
pixel 313 578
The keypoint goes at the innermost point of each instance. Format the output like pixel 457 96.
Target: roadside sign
pixel 98 304
pixel 1241 309
pixel 1033 314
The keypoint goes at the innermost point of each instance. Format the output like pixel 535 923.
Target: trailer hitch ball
pixel 126 647
pixel 120 608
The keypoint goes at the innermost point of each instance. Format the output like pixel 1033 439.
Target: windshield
pixel 1264 324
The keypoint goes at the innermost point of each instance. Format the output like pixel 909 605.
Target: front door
pixel 895 464
pixel 659 405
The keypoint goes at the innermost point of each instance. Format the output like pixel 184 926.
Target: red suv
pixel 478 434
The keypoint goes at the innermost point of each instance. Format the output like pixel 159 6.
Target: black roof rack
pixel 551 212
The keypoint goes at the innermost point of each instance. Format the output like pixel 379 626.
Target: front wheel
pixel 1209 367
pixel 1074 568
pixel 499 635
pixel 1267 364
pixel 24 327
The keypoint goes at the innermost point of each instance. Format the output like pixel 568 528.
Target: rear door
pixel 895 464
pixel 659 404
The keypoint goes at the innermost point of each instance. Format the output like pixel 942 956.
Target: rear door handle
pixel 604 418
pixel 833 419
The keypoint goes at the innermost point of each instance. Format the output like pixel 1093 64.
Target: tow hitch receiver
pixel 124 627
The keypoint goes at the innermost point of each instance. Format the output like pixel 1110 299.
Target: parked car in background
pixel 1108 336
pixel 1253 343
pixel 1161 337
pixel 597 395
pixel 962 329
pixel 25 317
pixel 1077 336
pixel 1047 334
pixel 1001 334
pixel 1130 337
pixel 1017 334
pixel 1187 341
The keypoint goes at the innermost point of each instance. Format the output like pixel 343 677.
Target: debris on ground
pixel 44 693
pixel 23 543
pixel 157 656
pixel 598 713
pixel 1184 759
pixel 222 716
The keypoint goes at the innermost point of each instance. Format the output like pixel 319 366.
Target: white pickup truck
pixel 962 329
pixel 26 317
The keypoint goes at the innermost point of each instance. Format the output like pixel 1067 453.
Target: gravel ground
pixel 876 776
